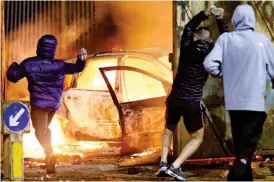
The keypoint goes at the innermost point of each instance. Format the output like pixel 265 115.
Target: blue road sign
pixel 16 117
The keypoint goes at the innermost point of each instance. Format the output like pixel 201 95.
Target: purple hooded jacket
pixel 45 74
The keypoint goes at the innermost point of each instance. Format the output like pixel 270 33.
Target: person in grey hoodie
pixel 243 58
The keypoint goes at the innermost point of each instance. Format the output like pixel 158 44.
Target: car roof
pixel 140 53
pixel 143 55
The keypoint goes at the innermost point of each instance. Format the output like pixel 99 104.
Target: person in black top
pixel 187 89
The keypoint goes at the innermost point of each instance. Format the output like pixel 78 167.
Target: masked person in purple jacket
pixel 45 77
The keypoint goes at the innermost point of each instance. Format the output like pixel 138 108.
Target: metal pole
pixel 174 63
pixel 3 78
pixel 94 42
pixel 2 35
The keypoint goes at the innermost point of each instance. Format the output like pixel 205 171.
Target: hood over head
pixel 46 46
pixel 244 18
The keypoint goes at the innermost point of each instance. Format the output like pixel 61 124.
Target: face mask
pixel 202 48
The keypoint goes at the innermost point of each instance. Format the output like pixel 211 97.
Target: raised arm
pixel 79 65
pixel 16 72
pixel 221 23
pixel 214 59
pixel 71 68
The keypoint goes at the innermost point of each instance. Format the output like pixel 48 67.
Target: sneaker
pixel 176 173
pixel 241 171
pixel 162 170
pixel 50 163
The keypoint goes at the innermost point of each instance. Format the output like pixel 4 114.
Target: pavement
pixel 107 169
pixel 75 168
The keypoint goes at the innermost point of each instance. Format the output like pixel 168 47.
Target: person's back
pixel 245 70
pixel 45 77
pixel 191 76
pixel 245 63
pixel 245 54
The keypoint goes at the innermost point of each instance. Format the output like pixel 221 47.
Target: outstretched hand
pixel 208 10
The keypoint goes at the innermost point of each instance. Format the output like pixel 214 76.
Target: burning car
pixel 118 97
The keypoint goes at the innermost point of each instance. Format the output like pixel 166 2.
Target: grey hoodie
pixel 244 58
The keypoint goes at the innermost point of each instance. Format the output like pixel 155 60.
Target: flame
pixel 62 144
pixel 91 78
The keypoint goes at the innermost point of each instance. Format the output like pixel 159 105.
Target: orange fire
pixel 61 143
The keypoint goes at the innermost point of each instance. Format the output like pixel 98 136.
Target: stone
pixel 262 171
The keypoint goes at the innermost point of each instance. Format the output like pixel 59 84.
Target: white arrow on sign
pixel 13 120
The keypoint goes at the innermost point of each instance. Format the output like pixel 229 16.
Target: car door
pixel 89 106
pixel 142 112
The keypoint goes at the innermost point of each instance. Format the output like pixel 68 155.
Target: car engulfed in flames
pixel 118 100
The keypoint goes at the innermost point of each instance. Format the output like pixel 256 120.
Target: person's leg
pixel 39 118
pixel 48 133
pixel 252 132
pixel 51 115
pixel 238 169
pixel 51 158
pixel 193 119
pixel 196 139
pixel 173 116
pixel 166 141
pixel 247 127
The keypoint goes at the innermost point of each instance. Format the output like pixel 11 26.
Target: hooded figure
pixel 244 58
pixel 45 74
pixel 45 77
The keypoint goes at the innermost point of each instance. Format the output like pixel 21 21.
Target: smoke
pixel 117 26
pixel 132 25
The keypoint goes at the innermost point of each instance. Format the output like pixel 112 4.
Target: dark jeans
pixel 41 120
pixel 247 128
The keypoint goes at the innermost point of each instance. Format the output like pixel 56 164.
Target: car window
pixel 91 77
pixel 138 86
pixel 144 64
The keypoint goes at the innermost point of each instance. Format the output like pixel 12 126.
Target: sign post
pixel 16 117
